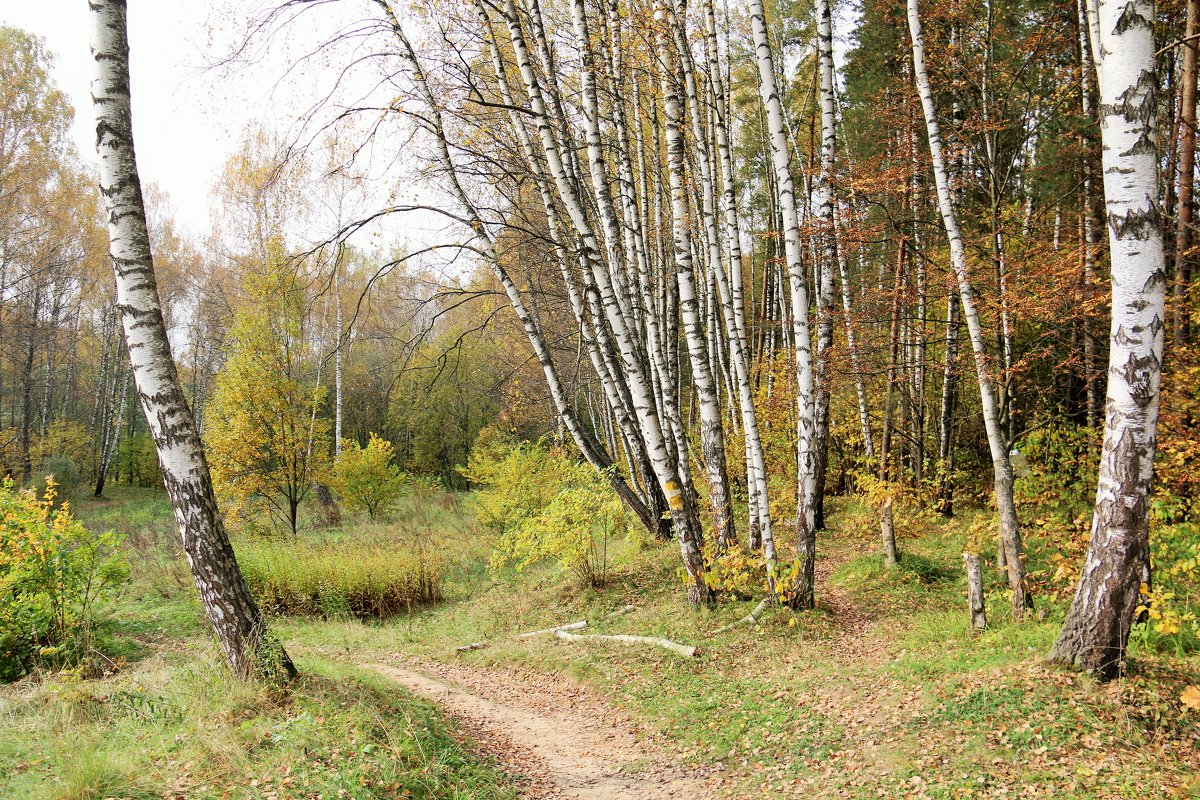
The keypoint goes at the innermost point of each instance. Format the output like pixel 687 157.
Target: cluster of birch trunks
pixel 603 135
pixel 614 126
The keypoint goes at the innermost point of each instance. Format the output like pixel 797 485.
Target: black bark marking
pixel 1130 17
pixel 1138 224
pixel 1140 371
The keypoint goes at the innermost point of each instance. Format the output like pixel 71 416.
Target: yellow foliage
pixel 266 441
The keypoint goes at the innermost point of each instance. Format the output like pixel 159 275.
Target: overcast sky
pixel 181 142
pixel 189 117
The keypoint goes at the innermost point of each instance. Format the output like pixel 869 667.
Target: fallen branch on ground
pixel 750 619
pixel 570 626
pixel 666 644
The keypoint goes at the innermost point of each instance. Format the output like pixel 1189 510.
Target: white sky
pixel 181 143
pixel 189 117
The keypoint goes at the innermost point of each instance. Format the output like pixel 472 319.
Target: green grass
pixel 156 710
pixel 360 576
pixel 178 722
pixel 883 691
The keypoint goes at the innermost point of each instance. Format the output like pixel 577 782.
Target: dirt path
pixel 568 742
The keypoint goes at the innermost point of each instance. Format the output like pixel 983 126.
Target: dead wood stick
pixel 750 619
pixel 666 644
pixel 570 626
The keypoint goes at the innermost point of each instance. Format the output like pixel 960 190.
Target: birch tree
pixel 1096 631
pixel 781 161
pixel 1002 474
pixel 235 617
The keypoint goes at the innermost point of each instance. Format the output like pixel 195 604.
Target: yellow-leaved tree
pixel 365 477
pixel 267 443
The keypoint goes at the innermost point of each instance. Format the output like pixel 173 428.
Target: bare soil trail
pixel 565 740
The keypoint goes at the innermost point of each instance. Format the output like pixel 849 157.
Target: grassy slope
pixel 164 719
pixel 881 692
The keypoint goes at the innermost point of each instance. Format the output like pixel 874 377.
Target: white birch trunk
pixel 1001 468
pixel 756 471
pixel 235 617
pixel 804 595
pixel 688 531
pixel 1096 631
pixel 337 353
pixel 596 345
pixel 826 246
pixel 712 437
pixel 687 527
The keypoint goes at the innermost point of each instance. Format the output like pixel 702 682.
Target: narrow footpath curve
pixel 569 743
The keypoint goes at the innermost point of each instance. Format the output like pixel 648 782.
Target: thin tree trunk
pixel 1091 233
pixel 235 617
pixel 949 404
pixel 338 352
pixel 826 253
pixel 804 591
pixel 712 436
pixel 886 527
pixel 1187 174
pixel 112 440
pixel 1001 468
pixel 27 387
pixel 683 512
pixel 651 514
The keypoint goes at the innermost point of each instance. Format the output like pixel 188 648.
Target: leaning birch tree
pixel 1010 530
pixel 235 617
pixel 1096 631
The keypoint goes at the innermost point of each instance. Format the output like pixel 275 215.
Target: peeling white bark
pixel 1096 631
pixel 232 611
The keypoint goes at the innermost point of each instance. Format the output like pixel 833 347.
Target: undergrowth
pixel 180 726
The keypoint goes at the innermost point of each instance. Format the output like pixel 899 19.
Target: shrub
pixel 137 460
pixel 70 439
pixel 365 477
pixel 52 573
pixel 516 480
pixel 1172 610
pixel 545 506
pixel 335 579
pixel 63 475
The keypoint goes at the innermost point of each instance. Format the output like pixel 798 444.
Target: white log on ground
pixel 750 619
pixel 675 647
pixel 570 626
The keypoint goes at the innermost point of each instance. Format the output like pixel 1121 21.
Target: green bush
pixel 137 461
pixel 338 579
pixel 516 480
pixel 64 473
pixel 52 573
pixel 365 477
pixel 543 505
pixel 71 439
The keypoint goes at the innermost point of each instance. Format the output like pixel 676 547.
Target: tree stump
pixel 975 591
